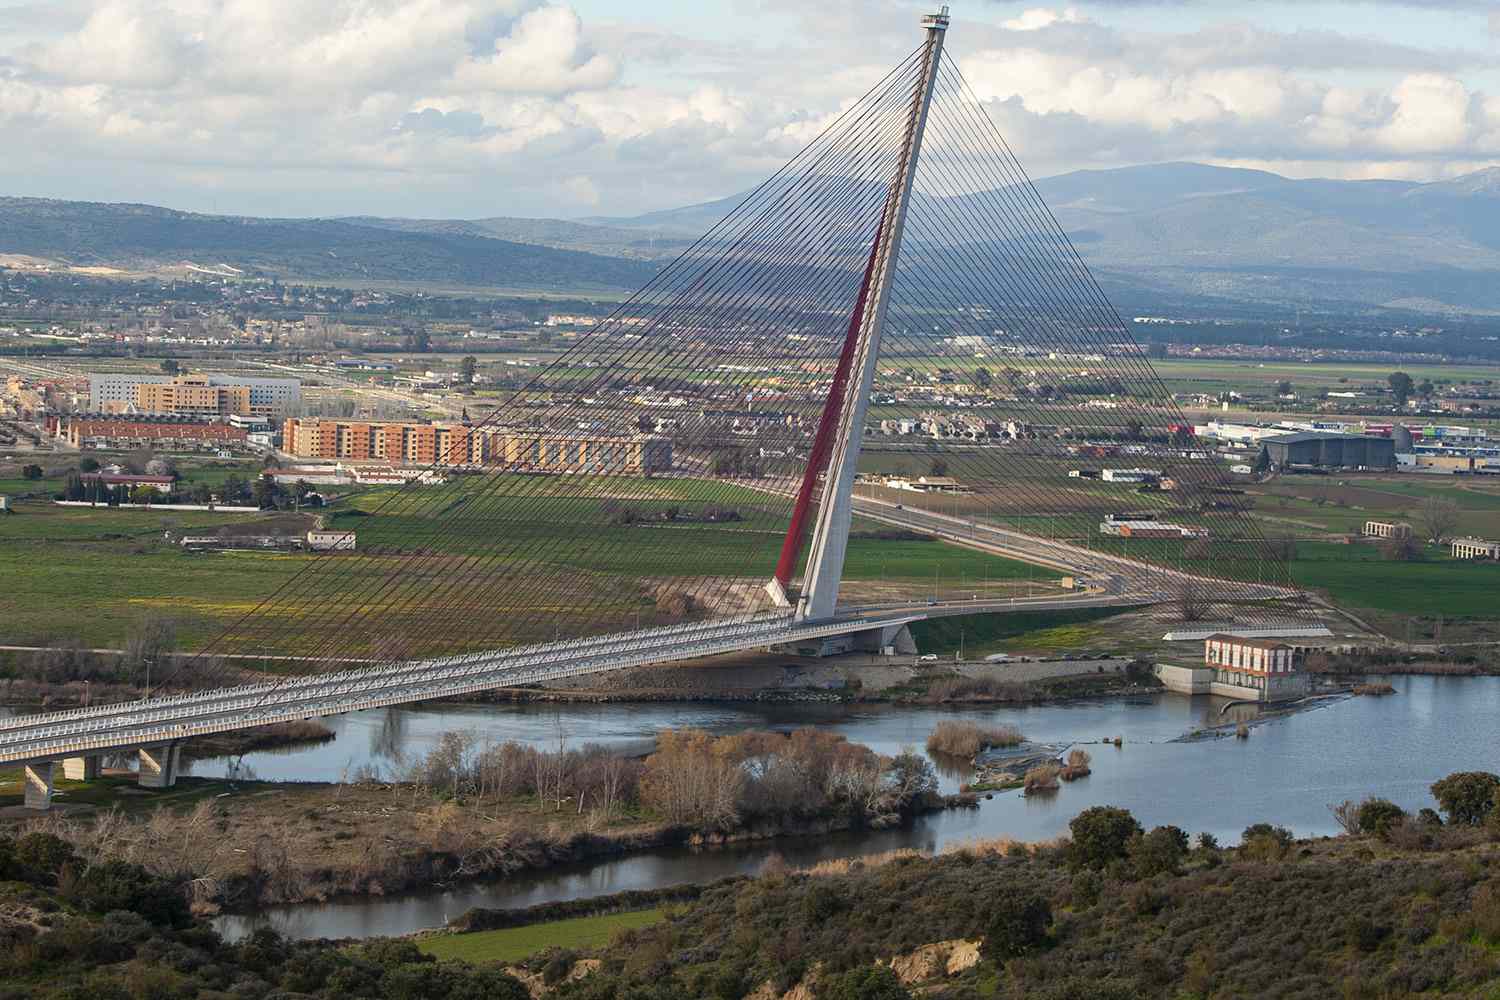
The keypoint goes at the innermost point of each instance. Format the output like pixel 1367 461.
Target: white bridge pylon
pixel 830 540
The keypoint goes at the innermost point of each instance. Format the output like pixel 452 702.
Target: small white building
pixel 327 540
pixel 392 476
pixel 1387 529
pixel 1475 548
pixel 927 484
pixel 1130 475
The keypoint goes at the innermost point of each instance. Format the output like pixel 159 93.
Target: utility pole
pixel 830 538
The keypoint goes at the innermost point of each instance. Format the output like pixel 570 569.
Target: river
pixel 1288 772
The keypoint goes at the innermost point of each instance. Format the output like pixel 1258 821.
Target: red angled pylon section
pixel 791 546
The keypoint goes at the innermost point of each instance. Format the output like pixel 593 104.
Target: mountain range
pixel 1175 232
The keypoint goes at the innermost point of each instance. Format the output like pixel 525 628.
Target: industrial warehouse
pixel 1319 450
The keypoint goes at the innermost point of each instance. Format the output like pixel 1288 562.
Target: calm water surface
pixel 1288 772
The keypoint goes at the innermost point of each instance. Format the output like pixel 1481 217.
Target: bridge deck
pixel 1111 581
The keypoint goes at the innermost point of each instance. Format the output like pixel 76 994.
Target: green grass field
pixel 1221 374
pixel 511 944
pixel 1026 631
pixel 94 574
pixel 1356 576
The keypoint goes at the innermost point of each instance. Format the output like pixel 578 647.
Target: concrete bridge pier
pixel 81 768
pixel 893 640
pixel 37 777
pixel 159 764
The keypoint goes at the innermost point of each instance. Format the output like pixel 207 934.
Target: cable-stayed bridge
pixel 691 475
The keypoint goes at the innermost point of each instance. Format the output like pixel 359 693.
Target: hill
pixel 1191 230
pixel 1182 236
pixel 144 238
pixel 557 233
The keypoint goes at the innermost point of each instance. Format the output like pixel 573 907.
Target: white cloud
pixel 1431 115
pixel 579 191
pixel 477 107
pixel 544 53
pixel 1036 18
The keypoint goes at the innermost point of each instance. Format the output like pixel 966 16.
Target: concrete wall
pixel 1200 680
pixel 1234 691
pixel 1184 680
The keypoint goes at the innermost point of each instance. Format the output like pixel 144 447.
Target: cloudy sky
pixel 469 108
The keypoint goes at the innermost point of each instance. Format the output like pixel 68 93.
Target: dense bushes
pixel 1101 835
pixel 1160 852
pixel 1325 920
pixel 1467 796
pixel 1129 914
pixel 113 932
pixel 1264 842
pixel 1377 816
pixel 873 983
pixel 1017 926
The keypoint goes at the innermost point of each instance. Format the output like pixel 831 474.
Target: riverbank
pixel 856 680
pixel 1411 911
pixel 302 732
pixel 1450 719
pixel 260 844
pixel 754 677
pixel 469 814
pixel 1050 925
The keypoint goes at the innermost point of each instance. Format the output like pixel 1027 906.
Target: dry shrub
pixel 1485 912
pixel 1410 834
pixel 965 739
pixel 675 604
pixel 999 847
pixel 1077 766
pixel 1042 779
pixel 843 866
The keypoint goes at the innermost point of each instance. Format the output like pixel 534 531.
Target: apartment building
pixel 417 444
pixel 205 394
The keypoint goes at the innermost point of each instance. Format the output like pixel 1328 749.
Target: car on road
pixel 927 658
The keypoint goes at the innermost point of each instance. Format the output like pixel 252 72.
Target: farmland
pixel 93 574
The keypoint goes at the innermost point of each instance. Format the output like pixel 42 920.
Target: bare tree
pixel 1283 548
pixel 1400 548
pixel 149 646
pixel 1438 517
pixel 1346 813
pixel 1190 603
